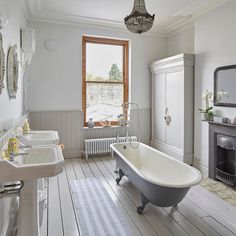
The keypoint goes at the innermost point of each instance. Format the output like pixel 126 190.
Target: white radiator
pixel 102 145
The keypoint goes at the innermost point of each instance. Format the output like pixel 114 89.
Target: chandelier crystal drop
pixel 139 21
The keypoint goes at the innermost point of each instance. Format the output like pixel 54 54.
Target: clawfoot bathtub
pixel 161 179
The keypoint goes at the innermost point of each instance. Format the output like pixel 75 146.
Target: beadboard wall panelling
pixel 69 125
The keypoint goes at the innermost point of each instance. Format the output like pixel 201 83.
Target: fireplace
pixel 222 153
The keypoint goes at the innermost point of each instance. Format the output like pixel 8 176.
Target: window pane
pixel 104 101
pixel 104 62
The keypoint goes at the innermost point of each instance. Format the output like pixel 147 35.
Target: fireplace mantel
pixel 221 124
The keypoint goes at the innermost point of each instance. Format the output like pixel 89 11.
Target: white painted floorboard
pixel 200 213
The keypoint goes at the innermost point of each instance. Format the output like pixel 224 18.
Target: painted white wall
pixel 181 42
pixel 212 39
pixel 215 37
pixel 56 76
pixel 12 108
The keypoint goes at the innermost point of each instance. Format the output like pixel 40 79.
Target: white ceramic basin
pixel 42 161
pixel 39 137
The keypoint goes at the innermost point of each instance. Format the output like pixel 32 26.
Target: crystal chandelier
pixel 139 21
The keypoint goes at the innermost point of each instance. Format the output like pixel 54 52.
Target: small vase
pixel 210 117
pixel 90 123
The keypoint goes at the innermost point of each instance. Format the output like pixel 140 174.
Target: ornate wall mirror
pixel 2 65
pixel 12 72
pixel 225 86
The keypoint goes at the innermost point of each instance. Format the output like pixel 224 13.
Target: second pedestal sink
pixel 34 163
pixel 39 137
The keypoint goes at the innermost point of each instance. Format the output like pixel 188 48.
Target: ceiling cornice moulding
pixel 96 24
pixel 189 14
pixel 187 17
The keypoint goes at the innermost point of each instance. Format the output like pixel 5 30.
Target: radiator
pixel 102 145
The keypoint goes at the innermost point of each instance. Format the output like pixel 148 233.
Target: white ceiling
pixel 170 14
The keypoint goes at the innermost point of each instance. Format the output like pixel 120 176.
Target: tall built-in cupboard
pixel 173 106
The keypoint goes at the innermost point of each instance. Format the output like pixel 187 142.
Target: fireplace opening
pixel 225 160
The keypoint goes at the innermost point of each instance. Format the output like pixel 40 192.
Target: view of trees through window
pixel 105 90
pixel 115 75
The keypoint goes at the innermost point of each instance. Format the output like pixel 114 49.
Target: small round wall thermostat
pixel 50 44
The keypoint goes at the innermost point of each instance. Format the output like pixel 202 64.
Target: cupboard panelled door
pixel 174 106
pixel 159 107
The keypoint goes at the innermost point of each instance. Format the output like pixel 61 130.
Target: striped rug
pixel 96 212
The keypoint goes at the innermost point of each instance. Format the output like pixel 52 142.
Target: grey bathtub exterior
pixel 157 195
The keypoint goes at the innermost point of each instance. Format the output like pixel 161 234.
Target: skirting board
pixel 174 152
pixel 74 153
pixel 200 166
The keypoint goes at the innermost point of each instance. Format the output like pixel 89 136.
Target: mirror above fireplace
pixel 225 86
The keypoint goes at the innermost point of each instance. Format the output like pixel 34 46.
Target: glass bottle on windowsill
pixel 90 123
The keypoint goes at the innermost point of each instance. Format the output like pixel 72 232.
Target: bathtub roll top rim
pixel 182 176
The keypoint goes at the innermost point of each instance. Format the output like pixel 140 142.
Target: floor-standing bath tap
pixel 126 106
pixel 117 136
pixel 127 134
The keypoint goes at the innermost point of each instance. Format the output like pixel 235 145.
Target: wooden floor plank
pixel 196 220
pixel 77 169
pixel 210 206
pixel 86 169
pixel 218 227
pixel 67 209
pixel 55 223
pixel 190 228
pixel 224 208
pixel 70 173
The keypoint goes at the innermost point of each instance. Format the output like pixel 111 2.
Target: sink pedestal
pixel 28 218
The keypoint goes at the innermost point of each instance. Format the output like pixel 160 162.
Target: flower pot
pixel 207 117
pixel 204 116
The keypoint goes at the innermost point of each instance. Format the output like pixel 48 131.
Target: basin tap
pixel 13 155
pixel 25 146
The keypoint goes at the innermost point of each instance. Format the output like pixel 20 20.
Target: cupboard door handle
pixel 167 117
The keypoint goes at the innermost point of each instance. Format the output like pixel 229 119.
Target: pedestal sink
pixel 39 162
pixel 39 137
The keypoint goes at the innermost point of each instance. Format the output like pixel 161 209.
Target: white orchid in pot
pixel 207 113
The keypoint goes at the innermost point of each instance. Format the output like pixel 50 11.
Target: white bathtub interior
pixel 157 167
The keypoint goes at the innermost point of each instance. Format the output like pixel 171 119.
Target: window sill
pixel 101 127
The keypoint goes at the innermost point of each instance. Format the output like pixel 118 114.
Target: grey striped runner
pixel 96 212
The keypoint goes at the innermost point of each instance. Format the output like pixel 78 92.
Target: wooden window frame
pixel 108 41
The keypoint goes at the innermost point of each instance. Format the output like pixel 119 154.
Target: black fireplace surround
pixel 222 154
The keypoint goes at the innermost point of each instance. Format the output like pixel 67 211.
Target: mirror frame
pixel 12 72
pixel 216 103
